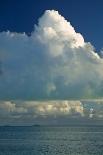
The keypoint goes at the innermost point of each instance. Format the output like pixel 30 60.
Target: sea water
pixel 51 140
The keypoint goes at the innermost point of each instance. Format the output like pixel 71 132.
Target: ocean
pixel 51 140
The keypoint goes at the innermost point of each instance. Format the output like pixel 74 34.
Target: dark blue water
pixel 51 140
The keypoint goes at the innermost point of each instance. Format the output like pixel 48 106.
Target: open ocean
pixel 49 140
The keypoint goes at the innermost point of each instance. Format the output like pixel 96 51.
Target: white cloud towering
pixel 53 63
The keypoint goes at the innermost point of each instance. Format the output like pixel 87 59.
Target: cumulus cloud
pixel 38 111
pixel 8 108
pixel 101 53
pixel 93 108
pixel 53 63
pixel 20 110
pixel 55 108
pixel 14 112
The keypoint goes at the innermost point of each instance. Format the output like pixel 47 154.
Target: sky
pixel 85 16
pixel 51 62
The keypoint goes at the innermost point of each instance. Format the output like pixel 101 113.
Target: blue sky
pixel 85 16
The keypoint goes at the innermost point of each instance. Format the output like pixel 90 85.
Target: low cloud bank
pixel 32 111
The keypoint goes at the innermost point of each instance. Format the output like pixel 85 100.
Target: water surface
pixel 49 140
